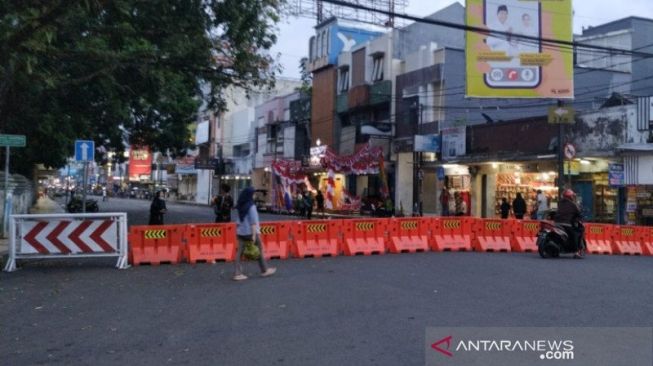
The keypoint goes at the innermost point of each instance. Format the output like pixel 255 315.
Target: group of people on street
pixel 519 207
pixel 452 205
pixel 305 202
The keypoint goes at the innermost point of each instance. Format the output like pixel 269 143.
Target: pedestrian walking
pixel 104 194
pixel 319 200
pixel 519 207
pixel 308 204
pixel 248 229
pixel 505 208
pixel 444 201
pixel 157 209
pixel 542 204
pixel 223 204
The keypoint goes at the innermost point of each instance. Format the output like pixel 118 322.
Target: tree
pixel 124 69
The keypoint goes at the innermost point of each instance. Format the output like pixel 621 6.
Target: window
pixel 343 79
pixel 377 68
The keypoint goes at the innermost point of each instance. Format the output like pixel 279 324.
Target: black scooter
pixel 554 239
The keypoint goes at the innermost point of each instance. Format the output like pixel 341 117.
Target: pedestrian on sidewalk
pixel 319 199
pixel 505 208
pixel 308 203
pixel 157 209
pixel 223 204
pixel 248 229
pixel 519 207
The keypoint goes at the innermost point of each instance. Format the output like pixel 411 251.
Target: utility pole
pixel 561 165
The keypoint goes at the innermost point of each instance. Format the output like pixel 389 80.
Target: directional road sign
pixel 84 150
pixel 12 140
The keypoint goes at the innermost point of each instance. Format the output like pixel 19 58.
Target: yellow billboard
pixel 509 59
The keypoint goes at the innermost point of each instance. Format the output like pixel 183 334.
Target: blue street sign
pixel 84 150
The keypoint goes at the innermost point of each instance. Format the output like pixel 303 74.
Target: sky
pixel 294 32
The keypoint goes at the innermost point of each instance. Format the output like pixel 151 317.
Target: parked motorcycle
pixel 554 239
pixel 75 205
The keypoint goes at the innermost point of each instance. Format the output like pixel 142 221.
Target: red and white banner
pixel 69 237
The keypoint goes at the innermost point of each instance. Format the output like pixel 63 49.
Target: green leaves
pixel 95 68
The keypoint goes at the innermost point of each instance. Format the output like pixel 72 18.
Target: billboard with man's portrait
pixel 511 58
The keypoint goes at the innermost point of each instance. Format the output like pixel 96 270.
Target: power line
pixel 493 32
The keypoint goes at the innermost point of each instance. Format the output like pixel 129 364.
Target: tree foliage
pixel 110 70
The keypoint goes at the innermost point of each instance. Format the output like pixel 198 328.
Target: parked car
pixel 76 203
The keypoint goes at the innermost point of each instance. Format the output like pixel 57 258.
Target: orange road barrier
pixel 365 237
pixel 627 240
pixel 599 238
pixel 316 238
pixel 451 234
pixel 156 244
pixel 492 235
pixel 647 240
pixel 275 237
pixel 408 235
pixel 211 242
pixel 524 235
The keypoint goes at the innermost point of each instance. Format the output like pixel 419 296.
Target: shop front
pixel 458 184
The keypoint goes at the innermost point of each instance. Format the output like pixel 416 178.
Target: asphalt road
pixel 335 311
pixel 178 213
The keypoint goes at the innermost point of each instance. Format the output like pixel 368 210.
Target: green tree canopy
pixel 107 70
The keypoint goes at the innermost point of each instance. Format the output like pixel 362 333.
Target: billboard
pixel 427 143
pixel 140 163
pixel 509 59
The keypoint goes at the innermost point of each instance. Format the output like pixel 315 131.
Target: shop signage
pixel 572 167
pixel 616 175
pixel 427 143
pixel 561 115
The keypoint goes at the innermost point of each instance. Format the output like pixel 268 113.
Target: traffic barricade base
pixel 364 246
pixel 627 240
pixel 275 237
pixel 599 238
pixel 408 244
pixel 627 247
pixel 408 235
pixel 452 243
pixel 524 236
pixel 492 235
pixel 493 244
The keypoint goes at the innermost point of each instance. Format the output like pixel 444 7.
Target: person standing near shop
pixel 319 200
pixel 157 209
pixel 505 208
pixel 444 201
pixel 223 204
pixel 519 207
pixel 542 204
pixel 308 204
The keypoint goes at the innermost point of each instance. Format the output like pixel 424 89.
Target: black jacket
pixel 568 212
pixel 519 206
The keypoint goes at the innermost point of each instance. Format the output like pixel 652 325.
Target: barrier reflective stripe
pixel 409 225
pixel 212 232
pixel 52 236
pixel 451 224
pixel 364 226
pixel 493 226
pixel 316 228
pixel 268 229
pixel 155 234
pixel 364 237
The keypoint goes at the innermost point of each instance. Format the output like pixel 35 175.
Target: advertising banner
pixel 510 59
pixel 140 163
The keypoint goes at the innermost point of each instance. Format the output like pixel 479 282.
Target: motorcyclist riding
pixel 569 213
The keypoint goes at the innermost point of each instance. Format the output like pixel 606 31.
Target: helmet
pixel 569 194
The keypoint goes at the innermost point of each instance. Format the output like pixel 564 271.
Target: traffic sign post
pixel 9 141
pixel 84 152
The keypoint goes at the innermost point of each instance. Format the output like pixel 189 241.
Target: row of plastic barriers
pixel 195 243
